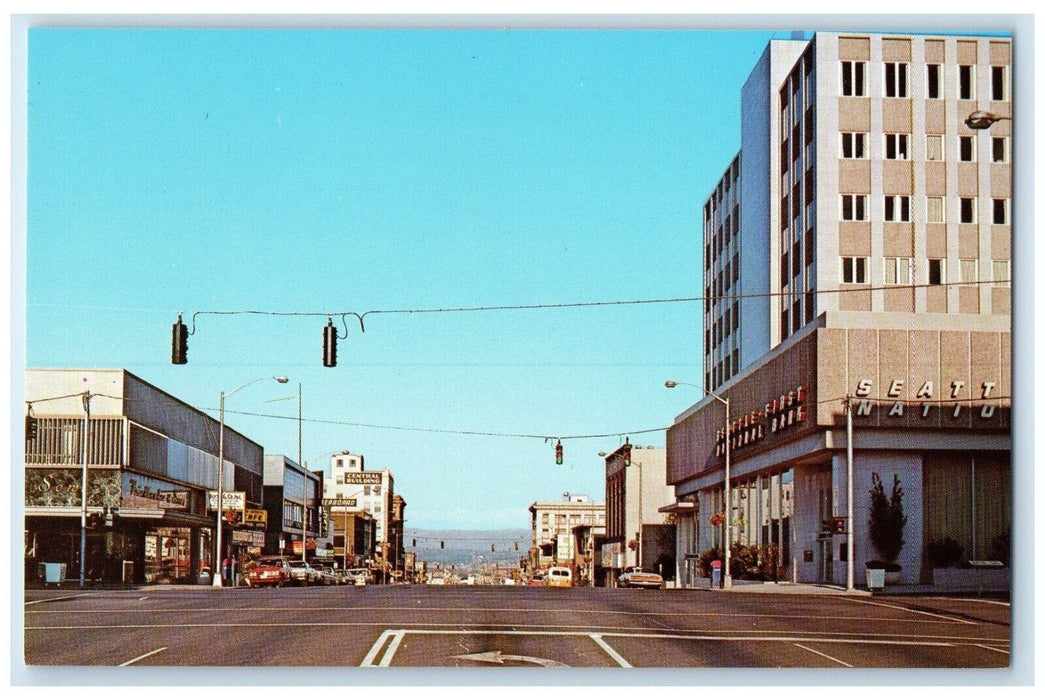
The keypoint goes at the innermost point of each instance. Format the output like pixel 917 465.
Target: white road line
pixel 820 653
pixel 368 660
pixel 56 600
pixel 696 637
pixel 621 661
pixel 984 646
pixel 390 652
pixel 919 612
pixel 143 656
pixel 770 635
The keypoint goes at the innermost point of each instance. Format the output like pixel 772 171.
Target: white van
pixel 559 576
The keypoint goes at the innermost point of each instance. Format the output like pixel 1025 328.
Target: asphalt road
pixel 466 626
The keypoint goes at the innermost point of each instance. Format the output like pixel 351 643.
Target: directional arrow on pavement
pixel 496 657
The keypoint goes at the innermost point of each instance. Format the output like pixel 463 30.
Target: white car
pixel 635 577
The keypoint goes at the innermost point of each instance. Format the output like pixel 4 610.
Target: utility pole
pixel 83 486
pixel 849 585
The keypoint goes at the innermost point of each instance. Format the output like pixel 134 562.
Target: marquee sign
pixel 780 413
pixel 924 396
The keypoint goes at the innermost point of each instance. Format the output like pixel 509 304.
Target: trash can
pixel 53 572
pixel 204 578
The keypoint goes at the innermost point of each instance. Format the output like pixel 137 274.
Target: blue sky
pixel 354 170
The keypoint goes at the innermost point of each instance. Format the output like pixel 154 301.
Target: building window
pixel 966 82
pixel 933 147
pixel 999 84
pixel 934 210
pixel 854 207
pixel 1000 213
pixel 968 210
pixel 854 145
pixel 933 85
pixel 968 271
pixel 854 270
pixel 854 83
pixel 1001 270
pixel 897 271
pixel 936 271
pixel 896 147
pixel 897 207
pixel 966 149
pixel 896 80
pixel 1000 149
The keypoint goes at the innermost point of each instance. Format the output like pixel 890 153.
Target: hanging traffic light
pixel 440 544
pixel 558 451
pixel 179 343
pixel 330 345
pixel 30 427
pixel 491 548
pixel 414 542
pixel 516 546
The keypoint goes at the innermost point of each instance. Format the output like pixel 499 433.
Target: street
pixel 475 626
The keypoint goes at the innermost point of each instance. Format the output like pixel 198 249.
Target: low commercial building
pixel 292 500
pixel 636 489
pixel 552 524
pixel 150 461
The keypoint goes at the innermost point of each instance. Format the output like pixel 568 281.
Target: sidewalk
pixel 788 588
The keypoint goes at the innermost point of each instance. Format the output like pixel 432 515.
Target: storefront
pixel 929 411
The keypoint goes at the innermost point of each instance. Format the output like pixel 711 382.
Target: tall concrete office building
pixel 859 246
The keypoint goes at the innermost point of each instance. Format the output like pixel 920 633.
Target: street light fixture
pixel 221 472
pixel 727 579
pixel 983 120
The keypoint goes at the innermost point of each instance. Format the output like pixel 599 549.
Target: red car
pixel 269 571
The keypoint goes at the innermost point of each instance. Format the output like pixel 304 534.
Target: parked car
pixel 302 573
pixel 559 577
pixel 537 579
pixel 329 577
pixel 635 577
pixel 359 577
pixel 269 571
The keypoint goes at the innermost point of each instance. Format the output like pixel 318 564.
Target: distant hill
pixel 462 548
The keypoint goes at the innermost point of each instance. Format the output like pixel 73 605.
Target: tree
pixel 887 519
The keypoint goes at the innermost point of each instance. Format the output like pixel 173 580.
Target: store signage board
pixel 230 500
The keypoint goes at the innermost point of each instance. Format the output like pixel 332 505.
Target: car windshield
pixel 298 564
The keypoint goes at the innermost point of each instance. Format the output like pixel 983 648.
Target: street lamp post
pixel 727 579
pixel 221 472
pixel 983 120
